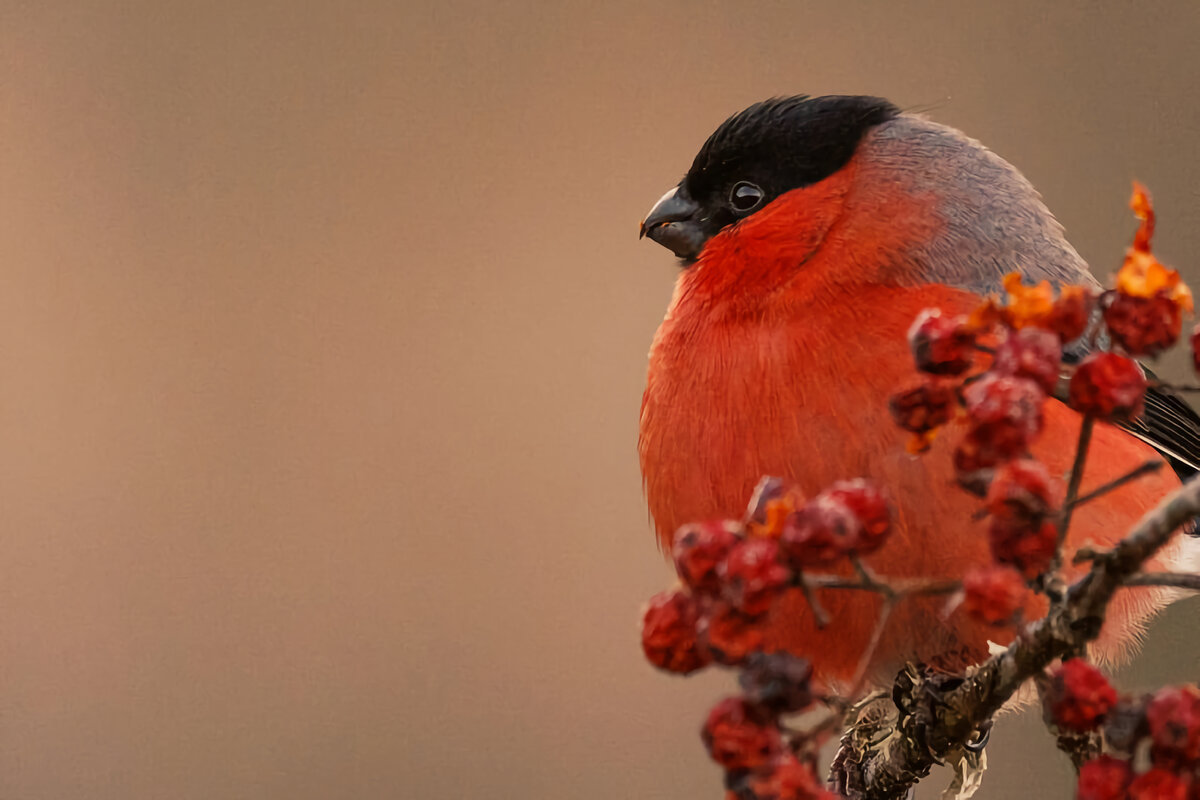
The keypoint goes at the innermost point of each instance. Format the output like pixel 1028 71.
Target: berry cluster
pixel 733 571
pixel 992 370
pixel 1156 738
pixel 1001 402
pixel 731 574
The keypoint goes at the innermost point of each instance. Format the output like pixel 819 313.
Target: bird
pixel 810 231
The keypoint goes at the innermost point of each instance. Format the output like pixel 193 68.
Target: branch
pixel 1174 579
pixel 940 715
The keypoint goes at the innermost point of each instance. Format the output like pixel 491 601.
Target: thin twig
pixel 1178 580
pixel 1081 450
pixel 864 663
pixel 1146 468
pixel 820 615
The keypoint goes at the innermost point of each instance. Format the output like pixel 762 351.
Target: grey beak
pixel 674 223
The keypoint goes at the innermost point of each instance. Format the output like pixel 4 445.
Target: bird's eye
pixel 745 196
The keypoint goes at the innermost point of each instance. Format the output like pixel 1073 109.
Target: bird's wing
pixel 1171 426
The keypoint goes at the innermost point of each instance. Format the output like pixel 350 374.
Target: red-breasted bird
pixel 812 231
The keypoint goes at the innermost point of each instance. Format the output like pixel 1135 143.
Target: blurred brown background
pixel 323 331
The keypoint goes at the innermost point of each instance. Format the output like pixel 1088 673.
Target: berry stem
pixel 864 663
pixel 1145 468
pixel 1081 450
pixel 820 615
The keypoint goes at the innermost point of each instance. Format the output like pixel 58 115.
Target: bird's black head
pixel 753 157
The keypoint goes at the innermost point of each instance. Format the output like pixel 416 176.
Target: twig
pixel 1081 450
pixel 944 720
pixel 1146 468
pixel 1177 580
pixel 820 615
pixel 1116 483
pixel 864 662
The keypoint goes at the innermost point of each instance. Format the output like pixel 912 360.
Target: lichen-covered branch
pixel 939 715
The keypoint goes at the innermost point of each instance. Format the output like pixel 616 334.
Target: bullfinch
pixel 811 231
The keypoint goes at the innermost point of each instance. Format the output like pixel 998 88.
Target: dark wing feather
pixel 1171 426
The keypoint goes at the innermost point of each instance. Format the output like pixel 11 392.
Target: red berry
pixel 697 551
pixel 974 463
pixel 1103 778
pixel 1079 696
pixel 1195 343
pixel 924 408
pixel 1143 326
pixel 752 575
pixel 819 533
pixel 669 633
pixel 740 736
pixel 993 594
pixel 1021 491
pixel 727 634
pixel 1006 414
pixel 941 345
pixel 785 779
pixel 1109 387
pixel 1173 715
pixel 1031 353
pixel 1158 784
pixel 1071 313
pixel 1029 549
pixel 870 506
pixel 780 682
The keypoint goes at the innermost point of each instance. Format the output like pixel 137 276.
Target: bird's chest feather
pixel 799 391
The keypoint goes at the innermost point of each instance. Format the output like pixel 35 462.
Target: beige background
pixel 323 332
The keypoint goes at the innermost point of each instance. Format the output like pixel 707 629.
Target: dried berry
pixel 1173 715
pixel 1158 784
pixel 1071 313
pixel 993 594
pixel 726 634
pixel 1109 387
pixel 819 533
pixel 1031 353
pixel 941 345
pixel 870 506
pixel 739 735
pixel 1125 725
pixel 1027 305
pixel 1079 696
pixel 974 464
pixel 752 575
pixel 768 490
pixel 779 682
pixel 1030 549
pixel 669 626
pixel 1006 414
pixel 1103 778
pixel 1021 493
pixel 1143 275
pixel 1143 326
pixel 925 408
pixel 698 550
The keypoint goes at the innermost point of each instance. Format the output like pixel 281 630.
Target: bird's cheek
pixel 771 244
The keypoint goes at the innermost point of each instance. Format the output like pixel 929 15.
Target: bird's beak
pixel 674 222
